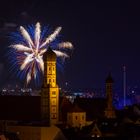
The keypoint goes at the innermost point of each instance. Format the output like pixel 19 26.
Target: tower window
pixel 53 116
pixel 53 101
pixel 75 117
pixel 53 109
pixel 49 80
pixel 53 92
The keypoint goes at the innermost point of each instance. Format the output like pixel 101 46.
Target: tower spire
pixel 109 111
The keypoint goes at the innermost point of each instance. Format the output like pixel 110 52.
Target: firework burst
pixel 29 46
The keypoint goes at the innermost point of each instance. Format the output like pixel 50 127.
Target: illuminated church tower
pixel 50 90
pixel 109 111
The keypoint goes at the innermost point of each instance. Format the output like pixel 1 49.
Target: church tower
pixel 50 90
pixel 109 111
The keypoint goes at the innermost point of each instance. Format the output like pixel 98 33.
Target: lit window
pixel 53 92
pixel 53 101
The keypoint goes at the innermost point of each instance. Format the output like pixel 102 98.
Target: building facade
pixel 76 117
pixel 50 90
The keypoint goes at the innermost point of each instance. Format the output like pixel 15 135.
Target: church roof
pixel 95 131
pixel 76 109
pixel 49 55
pixel 94 107
pixel 65 104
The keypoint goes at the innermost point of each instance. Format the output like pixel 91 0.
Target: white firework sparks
pixel 32 52
pixel 66 45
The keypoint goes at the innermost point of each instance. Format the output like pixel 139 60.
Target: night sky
pixel 105 35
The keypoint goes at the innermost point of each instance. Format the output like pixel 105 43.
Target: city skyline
pixel 80 83
pixel 105 37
